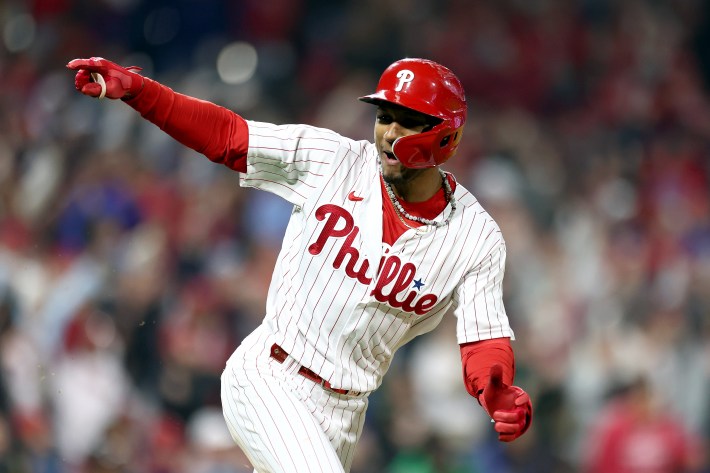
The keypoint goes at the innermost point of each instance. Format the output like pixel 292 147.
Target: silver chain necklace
pixel 448 196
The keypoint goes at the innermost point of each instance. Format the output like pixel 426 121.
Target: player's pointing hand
pixel 509 406
pixel 99 77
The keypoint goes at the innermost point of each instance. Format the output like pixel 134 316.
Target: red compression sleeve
pixel 214 131
pixel 477 359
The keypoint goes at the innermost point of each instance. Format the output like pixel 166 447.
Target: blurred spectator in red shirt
pixel 635 435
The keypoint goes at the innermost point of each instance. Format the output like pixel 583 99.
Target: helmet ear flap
pixel 429 148
pixel 448 144
pixel 453 139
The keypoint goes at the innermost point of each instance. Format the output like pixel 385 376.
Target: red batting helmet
pixel 432 89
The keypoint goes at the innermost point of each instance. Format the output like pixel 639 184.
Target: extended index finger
pixel 91 64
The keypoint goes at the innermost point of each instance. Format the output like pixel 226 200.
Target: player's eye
pixel 384 118
pixel 412 123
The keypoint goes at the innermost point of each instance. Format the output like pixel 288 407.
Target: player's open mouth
pixel 390 158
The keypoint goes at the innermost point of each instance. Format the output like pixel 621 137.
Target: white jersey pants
pixel 284 422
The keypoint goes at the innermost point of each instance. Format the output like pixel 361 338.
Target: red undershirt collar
pixel 393 227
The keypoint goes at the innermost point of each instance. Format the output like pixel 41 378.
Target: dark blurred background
pixel 131 267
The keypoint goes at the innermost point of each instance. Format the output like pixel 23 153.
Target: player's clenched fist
pixel 509 406
pixel 99 77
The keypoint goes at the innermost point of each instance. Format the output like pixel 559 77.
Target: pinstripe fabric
pixel 341 302
pixel 283 421
pixel 322 306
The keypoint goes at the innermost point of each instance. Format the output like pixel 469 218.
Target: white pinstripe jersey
pixel 342 302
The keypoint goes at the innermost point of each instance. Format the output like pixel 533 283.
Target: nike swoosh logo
pixel 353 197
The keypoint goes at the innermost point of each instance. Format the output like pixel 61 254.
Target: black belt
pixel 278 354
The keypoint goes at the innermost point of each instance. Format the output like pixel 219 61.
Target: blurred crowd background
pixel 131 267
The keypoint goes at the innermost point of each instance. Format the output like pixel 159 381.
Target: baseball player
pixel 381 244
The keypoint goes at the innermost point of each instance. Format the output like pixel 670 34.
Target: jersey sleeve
pixel 478 299
pixel 291 160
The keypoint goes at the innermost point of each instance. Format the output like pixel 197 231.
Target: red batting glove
pixel 509 406
pixel 121 82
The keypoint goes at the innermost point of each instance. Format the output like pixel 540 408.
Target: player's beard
pixel 400 177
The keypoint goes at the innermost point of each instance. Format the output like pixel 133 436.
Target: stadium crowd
pixel 131 267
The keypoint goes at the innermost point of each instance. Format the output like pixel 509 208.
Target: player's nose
pixel 394 131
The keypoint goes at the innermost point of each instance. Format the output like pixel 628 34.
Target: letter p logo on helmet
pixel 405 76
